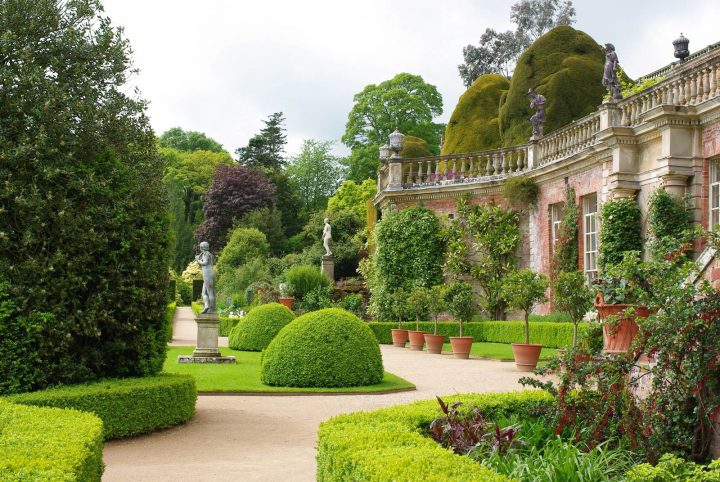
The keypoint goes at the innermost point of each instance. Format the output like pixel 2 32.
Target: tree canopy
pixel 266 148
pixel 188 141
pixel 316 172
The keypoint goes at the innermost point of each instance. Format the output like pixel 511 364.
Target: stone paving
pixel 271 437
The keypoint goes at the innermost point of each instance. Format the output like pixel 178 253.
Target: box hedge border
pixel 40 444
pixel 128 406
pixel 548 334
pixel 389 444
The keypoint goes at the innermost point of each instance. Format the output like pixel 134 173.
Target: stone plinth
pixel 207 350
pixel 328 268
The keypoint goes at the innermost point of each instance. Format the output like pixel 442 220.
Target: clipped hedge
pixel 169 315
pixel 40 444
pixel 324 348
pixel 256 330
pixel 128 406
pixel 389 444
pixel 548 334
pixel 226 325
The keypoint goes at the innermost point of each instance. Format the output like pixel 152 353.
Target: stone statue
pixel 205 260
pixel 610 79
pixel 537 103
pixel 327 237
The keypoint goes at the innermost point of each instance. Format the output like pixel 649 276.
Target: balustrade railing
pixel 569 140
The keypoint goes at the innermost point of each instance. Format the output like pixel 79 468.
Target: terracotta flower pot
pixel 617 339
pixel 461 346
pixel 526 355
pixel 417 340
pixel 286 302
pixel 399 337
pixel 434 343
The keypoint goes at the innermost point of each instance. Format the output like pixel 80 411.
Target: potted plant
pixel 417 303
pixel 572 295
pixel 285 298
pixel 399 308
pixel 459 298
pixel 616 303
pixel 436 305
pixel 524 289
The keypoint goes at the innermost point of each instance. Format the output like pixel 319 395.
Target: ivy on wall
pixel 619 231
pixel 565 254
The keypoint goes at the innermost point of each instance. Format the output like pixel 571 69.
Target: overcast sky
pixel 222 66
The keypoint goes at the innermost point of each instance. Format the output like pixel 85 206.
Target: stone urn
pixel 526 355
pixel 417 340
pixel 399 337
pixel 434 343
pixel 617 338
pixel 461 346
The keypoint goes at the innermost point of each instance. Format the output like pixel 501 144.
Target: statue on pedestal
pixel 205 260
pixel 537 103
pixel 610 79
pixel 327 237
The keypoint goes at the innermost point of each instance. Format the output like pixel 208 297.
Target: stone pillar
pixel 328 268
pixel 623 193
pixel 207 350
pixel 533 155
pixel 610 115
pixel 395 175
pixel 675 183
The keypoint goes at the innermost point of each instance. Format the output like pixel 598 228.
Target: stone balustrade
pixel 569 140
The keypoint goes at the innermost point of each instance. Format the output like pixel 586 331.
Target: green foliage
pixel 49 444
pixel 523 290
pixel 82 207
pixel 405 102
pixel 255 331
pixel 354 303
pixel 346 226
pixel 188 141
pixel 389 444
pixel 227 323
pixel 303 279
pixel 619 231
pixel 547 334
pixel 126 406
pixel 243 245
pixel 572 295
pixel 473 125
pixel 669 216
pixel 269 222
pixel 169 315
pixel 232 284
pixel 362 163
pixel 481 243
pixel 287 201
pixel 521 190
pixel 265 150
pixel 565 252
pixel 418 302
pixel 671 468
pixel 565 66
pixel 459 298
pixel 630 88
pixel 316 173
pixel 414 147
pixel 352 197
pixel 325 348
pixel 316 299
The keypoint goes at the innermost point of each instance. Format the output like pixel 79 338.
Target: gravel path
pixel 272 438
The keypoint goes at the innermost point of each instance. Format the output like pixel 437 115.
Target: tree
pixel 498 52
pixel 268 221
pixel 266 149
pixel 572 295
pixel 243 245
pixel 353 197
pixel 83 225
pixel 523 290
pixel 316 172
pixel 188 141
pixel 235 190
pixel 288 201
pixel 362 163
pixel 405 102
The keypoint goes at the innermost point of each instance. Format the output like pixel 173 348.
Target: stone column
pixel 395 175
pixel 610 115
pixel 675 183
pixel 327 267
pixel 533 155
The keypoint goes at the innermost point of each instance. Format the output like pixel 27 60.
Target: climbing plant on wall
pixel 619 231
pixel 565 254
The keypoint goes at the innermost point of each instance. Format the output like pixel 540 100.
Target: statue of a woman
pixel 327 237
pixel 537 103
pixel 610 79
pixel 205 260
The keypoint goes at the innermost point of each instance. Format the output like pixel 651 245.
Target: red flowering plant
pixel 663 393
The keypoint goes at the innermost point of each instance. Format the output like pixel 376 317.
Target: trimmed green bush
pixel 256 330
pixel 41 444
pixel 548 334
pixel 389 444
pixel 226 325
pixel 127 406
pixel 303 279
pixel 566 66
pixel 325 348
pixel 473 125
pixel 415 147
pixel 169 315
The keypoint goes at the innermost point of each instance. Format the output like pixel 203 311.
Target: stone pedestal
pixel 207 350
pixel 328 268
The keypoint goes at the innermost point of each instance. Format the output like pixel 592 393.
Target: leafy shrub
pixel 84 223
pixel 326 348
pixel 243 245
pixel 672 468
pixel 565 251
pixel 521 190
pixel 619 231
pixel 572 296
pixel 126 406
pixel 227 323
pixel 317 299
pixel 41 444
pixel 303 279
pixel 389 444
pixel 232 284
pixel 556 317
pixel 524 289
pixel 668 216
pixel 354 303
pixel 459 299
pixel 261 293
pixel 255 331
pixel 169 315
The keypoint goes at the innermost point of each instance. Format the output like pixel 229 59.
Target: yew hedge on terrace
pixel 83 223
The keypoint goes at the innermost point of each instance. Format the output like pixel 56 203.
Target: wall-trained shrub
pixel 129 406
pixel 256 330
pixel 49 444
pixel 389 444
pixel 302 279
pixel 619 231
pixel 325 348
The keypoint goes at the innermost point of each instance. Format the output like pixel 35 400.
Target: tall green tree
pixel 188 141
pixel 316 172
pixel 266 149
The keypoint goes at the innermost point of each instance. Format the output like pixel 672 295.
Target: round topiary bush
pixel 256 330
pixel 325 348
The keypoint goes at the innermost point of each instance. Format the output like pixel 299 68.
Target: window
pixel 714 195
pixel 590 232
pixel 555 220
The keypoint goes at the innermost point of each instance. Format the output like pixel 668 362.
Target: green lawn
pixel 245 375
pixel 499 351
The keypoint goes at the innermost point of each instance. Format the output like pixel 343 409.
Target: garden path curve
pixel 271 437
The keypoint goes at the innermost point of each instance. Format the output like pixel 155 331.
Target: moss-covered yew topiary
pixel 415 147
pixel 566 66
pixel 474 125
pixel 325 348
pixel 256 330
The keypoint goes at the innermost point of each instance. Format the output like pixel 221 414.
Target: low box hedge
pixel 226 325
pixel 128 406
pixel 548 334
pixel 41 444
pixel 390 444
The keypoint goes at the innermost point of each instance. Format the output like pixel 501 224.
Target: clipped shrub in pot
pixel 523 290
pixel 417 303
pixel 572 296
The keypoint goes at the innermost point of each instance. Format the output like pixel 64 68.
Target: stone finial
pixel 681 45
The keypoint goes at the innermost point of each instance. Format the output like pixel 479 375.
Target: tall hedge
pixel 83 223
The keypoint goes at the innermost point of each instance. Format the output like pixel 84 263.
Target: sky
pixel 222 66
